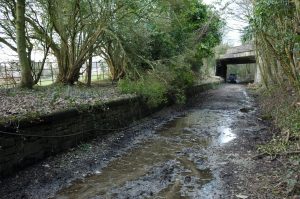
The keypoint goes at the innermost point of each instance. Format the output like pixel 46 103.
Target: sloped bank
pixel 26 142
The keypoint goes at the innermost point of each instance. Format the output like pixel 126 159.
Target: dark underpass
pixel 234 56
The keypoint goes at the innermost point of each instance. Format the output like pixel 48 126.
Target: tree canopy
pixel 134 37
pixel 275 29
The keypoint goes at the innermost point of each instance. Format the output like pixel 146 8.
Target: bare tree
pixel 9 31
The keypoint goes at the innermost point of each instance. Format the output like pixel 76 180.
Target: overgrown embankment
pixel 281 107
pixel 274 27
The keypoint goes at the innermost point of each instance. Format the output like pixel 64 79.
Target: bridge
pixel 244 54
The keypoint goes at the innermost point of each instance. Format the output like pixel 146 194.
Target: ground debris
pixel 242 196
pixel 17 103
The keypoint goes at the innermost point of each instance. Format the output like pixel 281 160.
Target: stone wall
pixel 17 152
pixel 60 131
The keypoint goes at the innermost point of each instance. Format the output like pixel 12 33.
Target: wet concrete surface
pixel 199 151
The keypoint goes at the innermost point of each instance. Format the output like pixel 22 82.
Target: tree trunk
pixel 297 3
pixel 69 73
pixel 63 65
pixel 26 77
pixel 89 71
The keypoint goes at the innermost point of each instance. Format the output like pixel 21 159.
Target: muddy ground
pixel 202 150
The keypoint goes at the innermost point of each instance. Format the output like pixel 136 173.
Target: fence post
pixel 39 67
pixel 12 76
pixel 97 71
pixel 103 71
pixel 6 82
pixel 51 69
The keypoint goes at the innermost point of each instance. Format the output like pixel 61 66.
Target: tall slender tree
pixel 26 78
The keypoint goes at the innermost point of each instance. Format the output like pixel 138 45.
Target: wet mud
pixel 203 150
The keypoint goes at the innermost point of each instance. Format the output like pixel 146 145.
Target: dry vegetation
pixel 281 108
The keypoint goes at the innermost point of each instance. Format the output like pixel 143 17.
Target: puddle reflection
pixel 226 135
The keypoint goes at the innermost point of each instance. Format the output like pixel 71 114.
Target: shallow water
pixel 168 165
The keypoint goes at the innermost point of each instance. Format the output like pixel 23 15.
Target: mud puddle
pixel 170 164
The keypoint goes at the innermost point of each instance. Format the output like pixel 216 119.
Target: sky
pixel 7 54
pixel 231 33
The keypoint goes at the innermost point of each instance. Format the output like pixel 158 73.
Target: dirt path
pixel 201 151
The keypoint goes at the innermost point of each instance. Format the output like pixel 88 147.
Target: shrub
pixel 151 88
